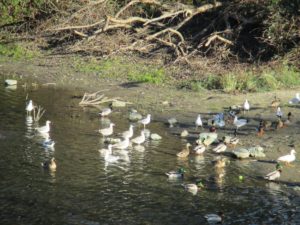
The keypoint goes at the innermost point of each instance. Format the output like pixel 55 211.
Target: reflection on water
pixel 88 187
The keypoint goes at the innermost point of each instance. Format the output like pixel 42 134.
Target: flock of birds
pixel 219 120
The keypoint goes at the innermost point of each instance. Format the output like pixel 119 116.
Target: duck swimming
pixel 49 164
pixel 185 152
pixel 199 149
pixel 275 174
pixel 176 174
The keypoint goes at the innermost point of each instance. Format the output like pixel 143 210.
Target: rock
pixel 155 137
pixel 134 115
pixel 296 188
pixel 112 140
pixel 118 103
pixel 257 152
pixel 10 82
pixel 241 153
pixel 184 133
pixel 165 103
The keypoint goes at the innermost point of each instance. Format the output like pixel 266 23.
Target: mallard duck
pixel 214 218
pixel 220 148
pixel 193 187
pixel 279 124
pixel 288 158
pixel 276 102
pixel 198 122
pixel 139 139
pixel 185 152
pixel 199 149
pixel 295 100
pixel 275 174
pixel 231 141
pixel 267 124
pixel 246 105
pixel 106 111
pixel 44 129
pixel 176 174
pixel 146 120
pixel 107 131
pixel 260 129
pixel 220 162
pixel 29 107
pixel 49 164
pixel 288 121
pixel 128 133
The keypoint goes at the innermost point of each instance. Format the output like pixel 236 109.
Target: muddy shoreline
pixel 166 101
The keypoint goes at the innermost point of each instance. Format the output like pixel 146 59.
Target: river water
pixel 84 189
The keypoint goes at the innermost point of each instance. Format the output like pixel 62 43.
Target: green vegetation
pixel 269 79
pixel 17 52
pixel 122 68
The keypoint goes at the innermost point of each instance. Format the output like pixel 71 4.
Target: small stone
pixel 118 103
pixel 184 133
pixel 10 82
pixel 241 153
pixel 155 137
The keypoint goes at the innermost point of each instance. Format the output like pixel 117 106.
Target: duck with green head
pixel 176 174
pixel 275 174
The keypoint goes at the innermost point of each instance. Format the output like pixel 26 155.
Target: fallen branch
pixel 38 113
pixel 95 99
pixel 218 37
pixel 136 2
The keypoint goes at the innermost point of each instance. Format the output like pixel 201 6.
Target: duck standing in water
pixel 185 152
pixel 275 174
pixel 49 164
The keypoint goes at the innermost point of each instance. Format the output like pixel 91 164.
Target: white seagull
pixel 29 107
pixel 107 131
pixel 128 133
pixel 44 129
pixel 246 106
pixel 288 158
pixel 198 121
pixel 139 139
pixel 239 122
pixel 146 120
pixel 105 112
pixel 279 112
pixel 295 100
pixel 122 145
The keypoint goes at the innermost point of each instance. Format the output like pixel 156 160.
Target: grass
pixel 17 52
pixel 269 79
pixel 122 68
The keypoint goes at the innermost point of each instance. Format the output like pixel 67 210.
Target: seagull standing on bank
pixel 246 106
pixel 198 122
pixel 146 120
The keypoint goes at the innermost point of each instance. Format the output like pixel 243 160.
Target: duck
pixel 219 162
pixel 139 139
pixel 295 100
pixel 199 149
pixel 44 129
pixel 220 148
pixel 260 129
pixel 185 152
pixel 231 141
pixel 106 111
pixel 288 158
pixel 146 120
pixel 288 121
pixel 176 174
pixel 29 107
pixel 128 133
pixel 107 131
pixel 246 105
pixel 122 145
pixel 198 122
pixel 193 187
pixel 212 128
pixel 214 218
pixel 49 164
pixel 275 174
pixel 276 102
pixel 278 124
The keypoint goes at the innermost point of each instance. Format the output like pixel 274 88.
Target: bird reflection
pixel 219 165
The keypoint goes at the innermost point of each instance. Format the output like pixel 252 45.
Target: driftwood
pixel 38 112
pixel 95 99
